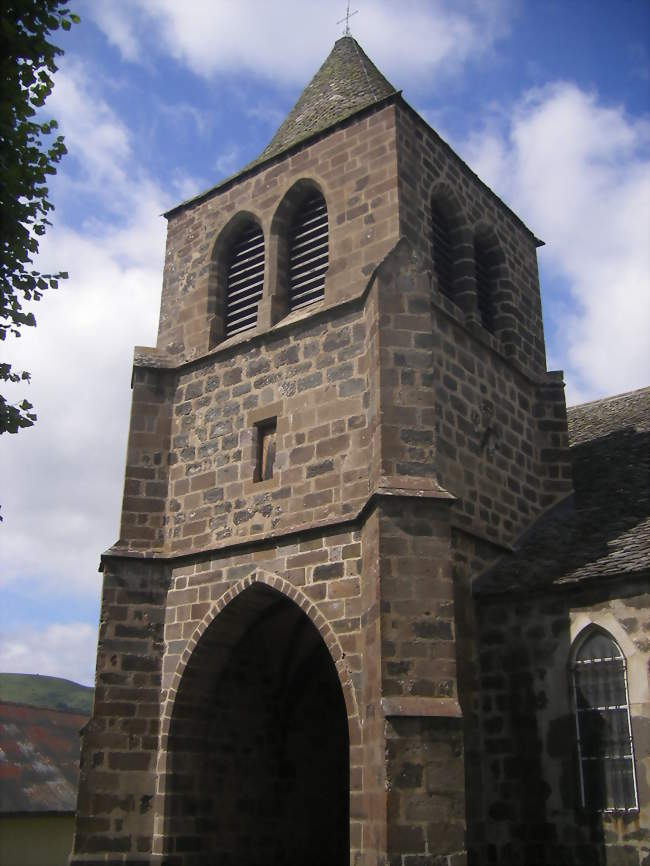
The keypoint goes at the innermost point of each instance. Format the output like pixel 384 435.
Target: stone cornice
pixel 405 487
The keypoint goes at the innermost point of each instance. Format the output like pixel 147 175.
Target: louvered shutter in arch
pixel 484 270
pixel 308 252
pixel 442 250
pixel 244 280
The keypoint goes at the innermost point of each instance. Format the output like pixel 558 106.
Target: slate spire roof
pixel 347 82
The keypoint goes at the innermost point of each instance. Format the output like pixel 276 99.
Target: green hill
pixel 52 692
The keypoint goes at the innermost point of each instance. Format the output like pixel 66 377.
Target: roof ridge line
pixel 609 398
pixel 363 66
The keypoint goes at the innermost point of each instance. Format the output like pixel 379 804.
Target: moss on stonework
pixel 347 82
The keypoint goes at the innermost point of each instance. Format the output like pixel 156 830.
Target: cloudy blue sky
pixel 546 99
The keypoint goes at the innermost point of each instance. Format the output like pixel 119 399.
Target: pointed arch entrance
pixel 258 748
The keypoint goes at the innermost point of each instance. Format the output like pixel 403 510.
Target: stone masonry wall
pixel 314 380
pixel 436 404
pixel 147 460
pixel 122 811
pixel 471 555
pixel 366 417
pixel 424 730
pixel 192 446
pixel 320 572
pixel 499 419
pixel 190 484
pixel 426 800
pixel 120 743
pixel 399 420
pixel 448 408
pixel 337 577
pixel 427 167
pixel 345 578
pixel 502 443
pixel 454 403
pixel 532 789
pixel 355 167
pixel 457 413
pixel 418 639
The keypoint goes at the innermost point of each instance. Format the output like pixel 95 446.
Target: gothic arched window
pixel 602 709
pixel 244 279
pixel 485 269
pixel 442 248
pixel 308 252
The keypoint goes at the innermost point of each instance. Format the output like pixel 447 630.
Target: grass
pixel 52 692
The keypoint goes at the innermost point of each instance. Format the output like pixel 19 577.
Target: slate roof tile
pixel 347 82
pixel 39 759
pixel 603 531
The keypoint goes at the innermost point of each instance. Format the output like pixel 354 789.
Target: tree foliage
pixel 29 152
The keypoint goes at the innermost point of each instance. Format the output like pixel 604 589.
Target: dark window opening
pixel 308 253
pixel 442 250
pixel 266 439
pixel 605 747
pixel 485 270
pixel 244 280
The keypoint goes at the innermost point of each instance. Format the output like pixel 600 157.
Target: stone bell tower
pixel 346 416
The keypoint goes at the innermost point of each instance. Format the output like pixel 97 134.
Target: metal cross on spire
pixel 348 15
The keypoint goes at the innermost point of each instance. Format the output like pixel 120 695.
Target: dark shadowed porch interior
pixel 258 754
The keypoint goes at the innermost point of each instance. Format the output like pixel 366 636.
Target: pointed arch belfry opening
pixel 257 746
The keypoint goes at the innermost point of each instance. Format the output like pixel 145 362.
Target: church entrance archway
pixel 258 752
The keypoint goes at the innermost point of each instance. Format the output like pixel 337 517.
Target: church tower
pixel 347 416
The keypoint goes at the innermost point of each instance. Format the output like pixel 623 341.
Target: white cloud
pixel 116 22
pixel 184 115
pixel 59 650
pixel 266 114
pixel 95 136
pixel 215 36
pixel 441 37
pixel 228 161
pixel 578 172
pixel 62 478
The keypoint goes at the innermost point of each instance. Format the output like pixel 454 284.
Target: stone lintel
pixel 412 485
pixel 421 707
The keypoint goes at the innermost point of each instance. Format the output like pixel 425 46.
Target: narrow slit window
pixel 486 274
pixel 605 747
pixel 266 444
pixel 308 252
pixel 442 250
pixel 244 280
